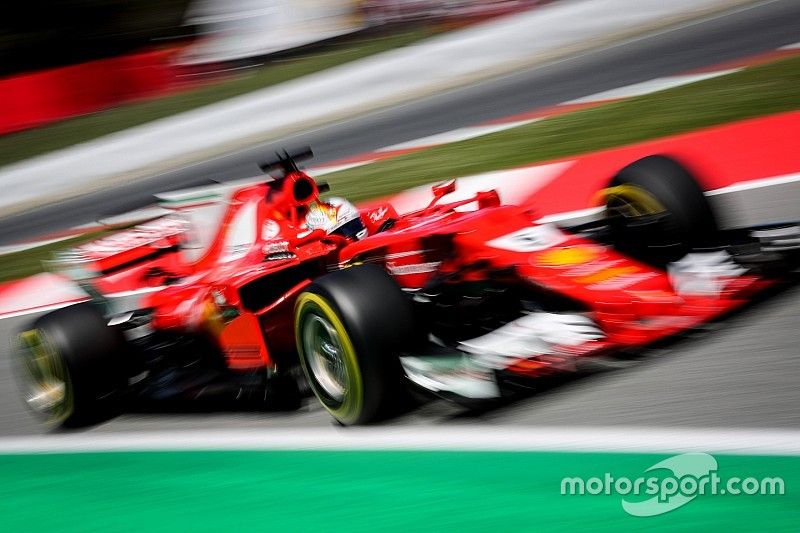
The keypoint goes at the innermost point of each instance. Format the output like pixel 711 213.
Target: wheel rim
pixel 325 355
pixel 631 201
pixel 642 226
pixel 342 395
pixel 48 388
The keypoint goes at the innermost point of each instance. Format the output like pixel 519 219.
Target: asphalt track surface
pixel 742 373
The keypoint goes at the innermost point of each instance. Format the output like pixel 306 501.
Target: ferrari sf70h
pixel 282 293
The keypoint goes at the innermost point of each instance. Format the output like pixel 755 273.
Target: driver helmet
pixel 336 216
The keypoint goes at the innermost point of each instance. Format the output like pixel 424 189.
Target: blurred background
pixel 64 58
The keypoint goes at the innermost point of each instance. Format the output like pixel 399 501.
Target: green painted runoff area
pixel 363 491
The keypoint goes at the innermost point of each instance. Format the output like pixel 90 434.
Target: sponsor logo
pixel 592 268
pixel 583 264
pixel 416 268
pixel 378 214
pixel 621 281
pixel 277 250
pixel 321 216
pixel 280 256
pixel 568 256
pixel 275 247
pixel 672 483
pixel 398 255
pixel 270 230
pixel 606 274
pixel 235 251
pixel 532 239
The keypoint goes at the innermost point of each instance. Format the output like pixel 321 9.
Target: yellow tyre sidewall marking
pixel 352 404
pixel 636 198
pixel 34 345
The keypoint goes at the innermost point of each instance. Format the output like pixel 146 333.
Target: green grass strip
pixel 757 91
pixel 29 262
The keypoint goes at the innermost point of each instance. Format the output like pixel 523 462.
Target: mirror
pixel 444 188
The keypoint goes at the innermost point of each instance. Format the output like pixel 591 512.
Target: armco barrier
pixel 46 96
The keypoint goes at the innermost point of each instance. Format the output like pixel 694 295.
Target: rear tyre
pixel 72 367
pixel 658 212
pixel 350 326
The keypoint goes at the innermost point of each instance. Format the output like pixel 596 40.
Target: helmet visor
pixel 353 229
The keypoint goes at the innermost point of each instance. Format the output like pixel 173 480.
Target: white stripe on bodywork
pixel 755 184
pixel 42 309
pixel 61 305
pixel 136 292
pixel 580 216
pixel 574 217
pixel 771 200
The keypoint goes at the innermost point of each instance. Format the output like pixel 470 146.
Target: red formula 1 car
pixel 294 293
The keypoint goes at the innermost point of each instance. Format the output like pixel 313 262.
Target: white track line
pixel 650 86
pixel 793 46
pixel 460 134
pixel 457 438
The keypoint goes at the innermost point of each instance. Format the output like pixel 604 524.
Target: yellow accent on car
pixel 212 317
pixel 607 274
pixel 355 261
pixel 635 200
pixel 568 256
pixel 350 408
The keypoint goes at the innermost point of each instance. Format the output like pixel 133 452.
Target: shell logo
pixel 568 256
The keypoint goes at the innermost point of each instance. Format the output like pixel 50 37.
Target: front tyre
pixel 350 326
pixel 71 367
pixel 657 211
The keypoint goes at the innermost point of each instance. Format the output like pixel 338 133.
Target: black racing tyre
pixel 350 326
pixel 658 212
pixel 72 367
